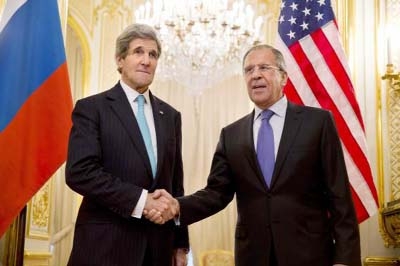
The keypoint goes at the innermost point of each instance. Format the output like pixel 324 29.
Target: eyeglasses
pixel 264 68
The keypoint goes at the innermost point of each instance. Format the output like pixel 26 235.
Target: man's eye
pixel 248 70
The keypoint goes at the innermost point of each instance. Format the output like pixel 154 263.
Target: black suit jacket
pixel 306 216
pixel 108 164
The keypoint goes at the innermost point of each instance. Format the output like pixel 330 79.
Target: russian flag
pixel 35 102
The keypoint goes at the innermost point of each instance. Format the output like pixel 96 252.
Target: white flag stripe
pixel 10 8
pixel 306 44
pixel 330 30
pixel 296 76
pixel 334 90
pixel 359 184
pixel 357 181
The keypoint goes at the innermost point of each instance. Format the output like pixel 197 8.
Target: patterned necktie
pixel 265 146
pixel 144 129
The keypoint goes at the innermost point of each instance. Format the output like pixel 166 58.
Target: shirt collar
pixel 279 108
pixel 132 94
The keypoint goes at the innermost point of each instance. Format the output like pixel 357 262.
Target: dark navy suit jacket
pixel 108 164
pixel 306 216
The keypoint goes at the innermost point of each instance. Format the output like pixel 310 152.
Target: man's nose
pixel 256 74
pixel 145 59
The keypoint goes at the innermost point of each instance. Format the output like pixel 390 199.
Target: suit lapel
pixel 291 126
pixel 120 105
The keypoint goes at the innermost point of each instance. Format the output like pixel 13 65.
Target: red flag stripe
pixel 35 144
pixel 336 66
pixel 330 95
pixel 296 76
pixel 359 180
pixel 350 128
pixel 362 213
pixel 291 92
pixel 319 76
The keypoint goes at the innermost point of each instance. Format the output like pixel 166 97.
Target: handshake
pixel 160 207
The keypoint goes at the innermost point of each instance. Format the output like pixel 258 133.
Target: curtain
pixel 203 117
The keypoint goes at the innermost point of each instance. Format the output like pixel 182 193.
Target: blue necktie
pixel 265 147
pixel 144 129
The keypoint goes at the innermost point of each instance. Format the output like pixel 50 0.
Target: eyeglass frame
pixel 263 68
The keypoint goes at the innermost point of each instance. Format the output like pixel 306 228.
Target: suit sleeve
pixel 85 173
pixel 181 232
pixel 341 209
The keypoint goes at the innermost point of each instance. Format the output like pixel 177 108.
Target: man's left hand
pixel 180 257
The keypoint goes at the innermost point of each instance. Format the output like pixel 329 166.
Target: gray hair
pixel 280 61
pixel 132 32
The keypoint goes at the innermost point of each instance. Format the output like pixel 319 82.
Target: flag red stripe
pixel 312 78
pixel 291 92
pixel 362 213
pixel 34 144
pixel 336 67
pixel 326 102
pixel 319 75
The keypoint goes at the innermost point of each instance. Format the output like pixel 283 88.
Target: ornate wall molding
pixel 113 9
pixel 82 33
pixel 39 208
pixel 392 15
pixel 32 258
pixel 379 261
pixel 390 203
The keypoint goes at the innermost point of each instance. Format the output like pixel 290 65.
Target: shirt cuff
pixel 177 220
pixel 138 211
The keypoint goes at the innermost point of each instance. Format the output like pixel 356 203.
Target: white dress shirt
pixel 131 94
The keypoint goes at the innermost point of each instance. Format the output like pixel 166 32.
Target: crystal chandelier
pixel 203 41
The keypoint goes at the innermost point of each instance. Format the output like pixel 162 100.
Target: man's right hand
pixel 160 207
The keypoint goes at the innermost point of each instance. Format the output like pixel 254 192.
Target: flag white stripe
pixel 11 7
pixel 356 179
pixel 330 31
pixel 296 76
pixel 334 90
pixel 359 184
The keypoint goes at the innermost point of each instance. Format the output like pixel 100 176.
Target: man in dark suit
pixel 303 215
pixel 116 166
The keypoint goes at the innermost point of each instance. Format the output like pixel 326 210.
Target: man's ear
pixel 118 60
pixel 284 79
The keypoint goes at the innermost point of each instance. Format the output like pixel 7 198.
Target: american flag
pixel 319 76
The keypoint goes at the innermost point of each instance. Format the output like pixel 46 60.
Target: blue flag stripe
pixel 21 70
